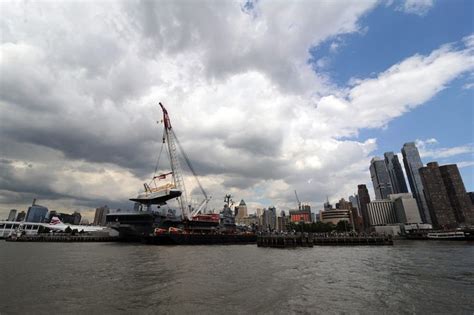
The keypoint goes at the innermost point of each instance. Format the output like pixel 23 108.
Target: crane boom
pixel 176 170
pixel 298 200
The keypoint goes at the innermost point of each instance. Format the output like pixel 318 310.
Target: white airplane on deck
pixel 57 225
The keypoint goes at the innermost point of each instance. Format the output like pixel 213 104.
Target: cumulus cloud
pixel 429 148
pixel 418 7
pixel 80 85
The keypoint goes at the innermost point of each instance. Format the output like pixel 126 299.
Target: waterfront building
pixel 406 208
pixel 327 205
pixel 12 215
pixel 412 163
pixel 303 215
pixel 380 179
pixel 74 218
pixel 250 220
pixel 395 173
pixel 355 203
pixel 241 210
pixel 357 221
pixel 36 213
pixel 100 215
pixel 391 229
pixel 460 202
pixel 335 215
pixel 269 219
pixel 343 204
pixel 364 200
pixel 441 211
pixel 381 212
pixel 21 216
pixel 282 222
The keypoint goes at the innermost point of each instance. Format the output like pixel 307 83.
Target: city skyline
pixel 265 99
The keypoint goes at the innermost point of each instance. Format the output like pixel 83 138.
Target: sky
pixel 266 97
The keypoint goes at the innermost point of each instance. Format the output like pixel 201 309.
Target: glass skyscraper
pixel 364 200
pixel 412 163
pixel 380 179
pixel 399 186
pixel 36 213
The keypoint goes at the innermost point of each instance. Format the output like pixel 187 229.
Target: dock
pixel 309 240
pixel 284 241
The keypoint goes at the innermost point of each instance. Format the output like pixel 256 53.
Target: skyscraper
pixel 442 213
pixel 100 215
pixel 395 173
pixel 463 210
pixel 412 163
pixel 242 212
pixel 12 215
pixel 380 179
pixel 269 219
pixel 36 213
pixel 355 202
pixel 364 200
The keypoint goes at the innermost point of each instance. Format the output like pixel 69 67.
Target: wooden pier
pixel 309 240
pixel 284 241
pixel 353 240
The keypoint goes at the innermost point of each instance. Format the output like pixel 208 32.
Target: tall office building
pixel 242 210
pixel 343 204
pixel 442 213
pixel 364 200
pixel 36 213
pixel 12 215
pixel 355 203
pixel 100 215
pixel 395 173
pixel 460 202
pixel 412 163
pixel 380 179
pixel 269 219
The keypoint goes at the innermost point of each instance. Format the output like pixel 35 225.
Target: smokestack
pixel 34 202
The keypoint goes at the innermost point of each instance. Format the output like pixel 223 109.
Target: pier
pixel 309 240
pixel 284 241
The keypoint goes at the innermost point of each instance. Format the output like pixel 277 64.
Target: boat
pixel 461 234
pixel 452 235
pixel 154 221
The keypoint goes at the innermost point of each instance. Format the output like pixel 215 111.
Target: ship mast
pixel 174 161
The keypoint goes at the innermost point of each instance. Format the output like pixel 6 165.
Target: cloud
pixel 373 102
pixel 465 164
pixel 429 149
pixel 80 85
pixel 418 7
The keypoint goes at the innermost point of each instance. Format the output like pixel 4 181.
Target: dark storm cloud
pixel 22 187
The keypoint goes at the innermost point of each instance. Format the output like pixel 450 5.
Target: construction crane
pixel 298 200
pixel 176 171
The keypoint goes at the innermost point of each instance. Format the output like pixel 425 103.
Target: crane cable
pixel 188 162
pixel 158 160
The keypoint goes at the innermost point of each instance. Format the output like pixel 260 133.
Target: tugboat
pixel 154 222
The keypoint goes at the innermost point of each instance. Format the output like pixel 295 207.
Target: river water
pixel 410 277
